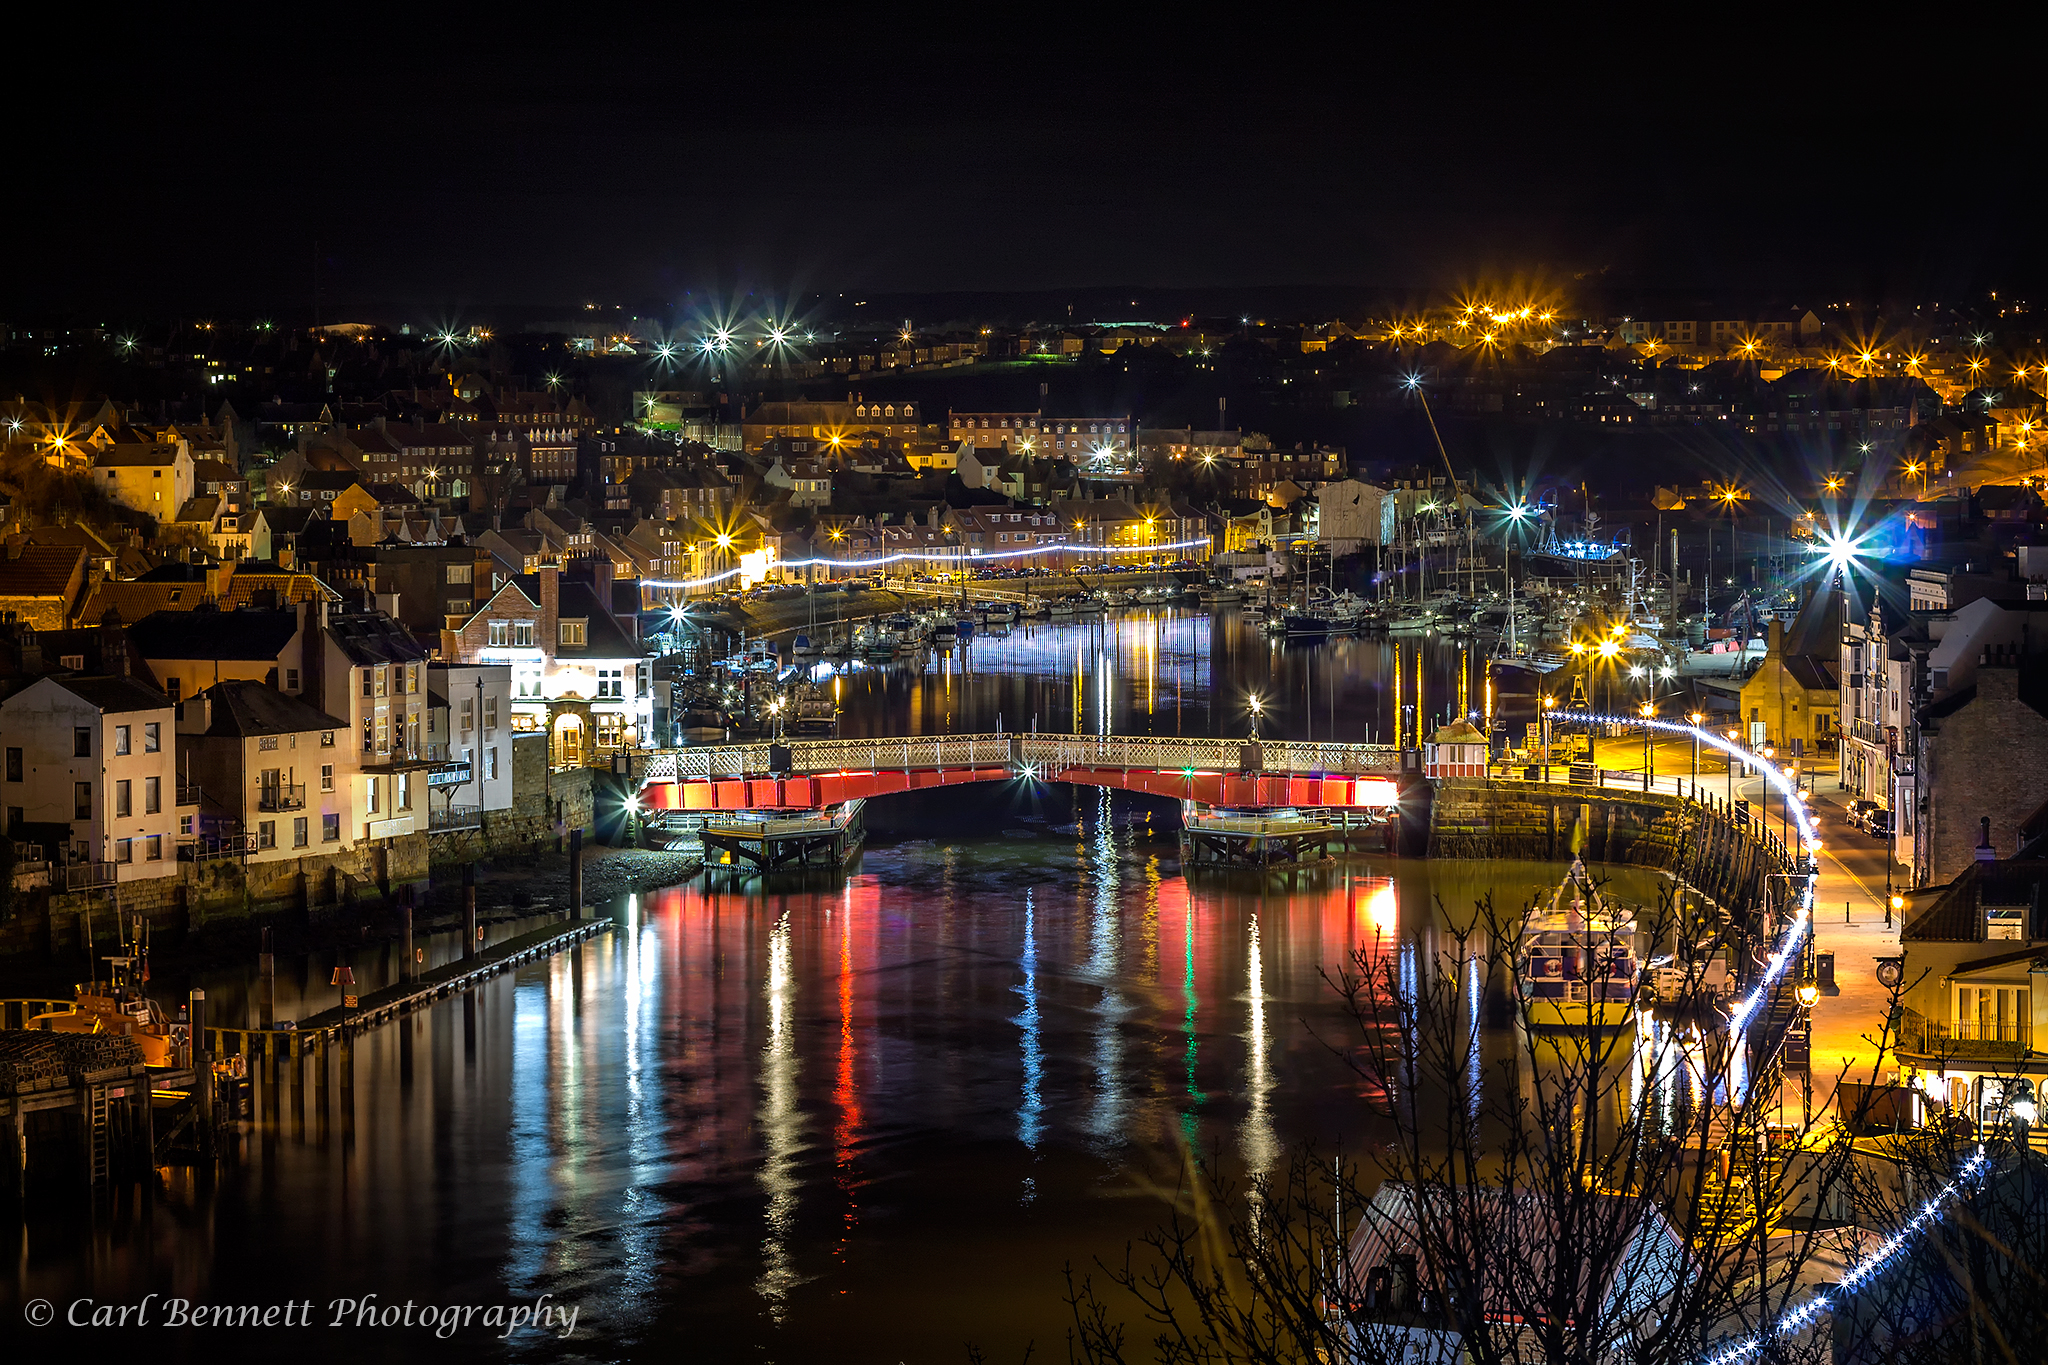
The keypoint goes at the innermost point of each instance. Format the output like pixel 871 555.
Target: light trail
pixel 929 556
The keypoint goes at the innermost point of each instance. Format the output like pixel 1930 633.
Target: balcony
pixel 81 876
pixel 455 817
pixel 281 797
pixel 188 793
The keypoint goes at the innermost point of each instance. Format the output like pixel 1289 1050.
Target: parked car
pixel 1860 811
pixel 1879 824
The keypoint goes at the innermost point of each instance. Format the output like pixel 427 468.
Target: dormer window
pixel 574 633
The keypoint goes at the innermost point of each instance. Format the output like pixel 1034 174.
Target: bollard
pixel 266 989
pixel 576 873
pixel 202 1068
pixel 468 911
pixel 406 971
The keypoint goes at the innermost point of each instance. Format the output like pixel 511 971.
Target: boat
pixel 993 612
pixel 1410 620
pixel 119 1007
pixel 1216 593
pixel 1578 964
pixel 945 633
pixel 1061 610
pixel 814 711
pixel 835 648
pixel 803 647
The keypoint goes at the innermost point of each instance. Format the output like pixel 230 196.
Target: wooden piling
pixel 266 984
pixel 468 911
pixel 576 873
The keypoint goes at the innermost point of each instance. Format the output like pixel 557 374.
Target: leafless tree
pixel 1651 1192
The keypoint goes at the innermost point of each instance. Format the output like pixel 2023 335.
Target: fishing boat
pixel 119 1007
pixel 1578 963
pixel 815 711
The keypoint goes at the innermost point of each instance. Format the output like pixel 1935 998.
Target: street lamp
pixel 1649 710
pixel 1696 717
pixel 1256 707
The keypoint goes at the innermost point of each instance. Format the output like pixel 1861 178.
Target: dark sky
pixel 457 160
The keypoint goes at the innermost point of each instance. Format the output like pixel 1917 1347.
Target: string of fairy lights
pixel 954 557
pixel 1811 1310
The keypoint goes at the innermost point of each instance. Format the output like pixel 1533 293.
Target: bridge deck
pixel 1212 771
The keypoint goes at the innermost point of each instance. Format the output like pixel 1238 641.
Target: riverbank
pixel 508 888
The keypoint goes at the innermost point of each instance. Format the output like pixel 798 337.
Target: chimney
pixel 550 605
pixel 1775 637
pixel 1986 853
pixel 113 645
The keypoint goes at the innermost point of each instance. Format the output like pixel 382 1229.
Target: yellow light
pixel 1898 903
pixel 1808 994
pixel 724 541
pixel 1608 649
pixel 1697 717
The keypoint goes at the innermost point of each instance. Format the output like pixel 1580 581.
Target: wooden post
pixel 266 989
pixel 406 971
pixel 576 873
pixel 202 1068
pixel 468 911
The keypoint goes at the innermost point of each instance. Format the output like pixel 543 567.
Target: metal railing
pixel 281 797
pixel 188 793
pixel 224 846
pixel 456 817
pixel 1040 751
pixel 80 876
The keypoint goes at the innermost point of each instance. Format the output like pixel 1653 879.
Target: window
pixel 173 687
pixel 152 737
pixel 120 739
pixel 330 828
pixel 383 735
pixel 291 680
pixel 369 735
pixel 299 838
pixel 152 795
pixel 372 805
pixel 611 682
pixel 522 634
pixel 501 633
pixel 369 683
pixel 468 713
pixel 327 777
pixel 185 825
pixel 266 834
pixel 404 782
pixel 122 795
pixel 609 729
pixel 155 849
pixel 124 850
pixel 81 743
pixel 460 573
pixel 380 680
pixel 13 764
pixel 573 632
pixel 81 801
pixel 412 679
pixel 491 763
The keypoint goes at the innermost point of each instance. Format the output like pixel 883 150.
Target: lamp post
pixel 1256 708
pixel 1696 717
pixel 1649 754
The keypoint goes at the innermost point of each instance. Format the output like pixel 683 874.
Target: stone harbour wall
pixel 1476 818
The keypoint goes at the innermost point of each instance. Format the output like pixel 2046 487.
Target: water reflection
pixel 866 1120
pixel 780 1126
pixel 1168 671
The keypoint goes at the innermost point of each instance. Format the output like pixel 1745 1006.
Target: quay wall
pixel 1701 844
pixel 223 892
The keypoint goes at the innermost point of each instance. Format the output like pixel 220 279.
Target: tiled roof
pixel 39 570
pixel 115 695
pixel 242 707
pixel 240 635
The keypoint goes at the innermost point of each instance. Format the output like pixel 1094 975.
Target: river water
pixel 858 1118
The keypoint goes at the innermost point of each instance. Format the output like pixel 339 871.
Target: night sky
pixel 488 157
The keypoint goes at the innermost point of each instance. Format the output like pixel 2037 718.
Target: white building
pixel 469 731
pixel 374 678
pixel 93 762
pixel 276 776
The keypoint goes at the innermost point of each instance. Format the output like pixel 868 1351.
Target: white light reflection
pixel 779 1121
pixel 1105 960
pixel 1030 1113
pixel 1258 1142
